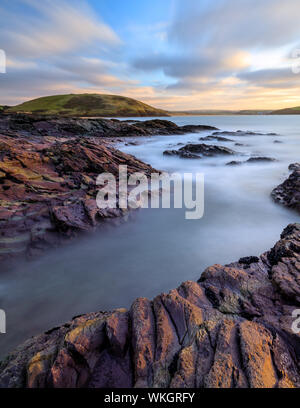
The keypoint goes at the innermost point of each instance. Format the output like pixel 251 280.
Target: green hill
pixel 287 111
pixel 87 105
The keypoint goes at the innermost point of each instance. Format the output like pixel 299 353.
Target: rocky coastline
pixel 60 127
pixel 48 171
pixel 231 329
pixel 48 190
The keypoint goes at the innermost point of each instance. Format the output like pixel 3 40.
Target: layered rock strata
pixel 233 328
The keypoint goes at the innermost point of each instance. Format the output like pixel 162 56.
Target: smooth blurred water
pixel 156 250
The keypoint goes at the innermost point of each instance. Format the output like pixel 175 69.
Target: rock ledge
pixel 233 328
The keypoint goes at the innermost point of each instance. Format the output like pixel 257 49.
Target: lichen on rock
pixel 231 329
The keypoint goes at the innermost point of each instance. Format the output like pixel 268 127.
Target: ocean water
pixel 154 250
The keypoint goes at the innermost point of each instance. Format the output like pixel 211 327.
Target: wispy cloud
pixel 221 54
pixel 53 27
pixel 213 42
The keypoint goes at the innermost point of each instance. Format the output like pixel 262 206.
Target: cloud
pixel 272 78
pixel 52 28
pixel 50 47
pixel 236 23
pixel 75 73
pixel 221 54
pixel 94 71
pixel 224 47
pixel 221 36
pixel 204 63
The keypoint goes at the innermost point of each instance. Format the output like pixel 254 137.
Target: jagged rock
pixel 197 151
pixel 233 328
pixel 248 260
pixel 48 189
pixel 288 193
pixel 294 166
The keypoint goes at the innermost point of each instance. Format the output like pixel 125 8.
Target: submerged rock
pixel 242 133
pixel 251 160
pixel 260 159
pixel 231 329
pixel 218 138
pixel 234 163
pixel 197 151
pixel 240 144
pixel 288 193
pixel 182 154
pixel 294 166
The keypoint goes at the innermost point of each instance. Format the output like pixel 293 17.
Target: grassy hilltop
pixel 87 105
pixel 287 111
pixel 117 106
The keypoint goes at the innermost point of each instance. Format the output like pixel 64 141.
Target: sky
pixel 172 54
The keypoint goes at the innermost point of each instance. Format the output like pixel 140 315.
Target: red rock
pixel 232 329
pixel 48 189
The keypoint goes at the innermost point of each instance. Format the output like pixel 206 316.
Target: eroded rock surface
pixel 288 193
pixel 48 189
pixel 232 328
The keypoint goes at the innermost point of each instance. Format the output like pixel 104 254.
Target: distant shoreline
pixel 115 106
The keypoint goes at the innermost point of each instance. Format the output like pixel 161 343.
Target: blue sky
pixel 174 54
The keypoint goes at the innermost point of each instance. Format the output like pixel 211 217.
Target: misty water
pixel 154 250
